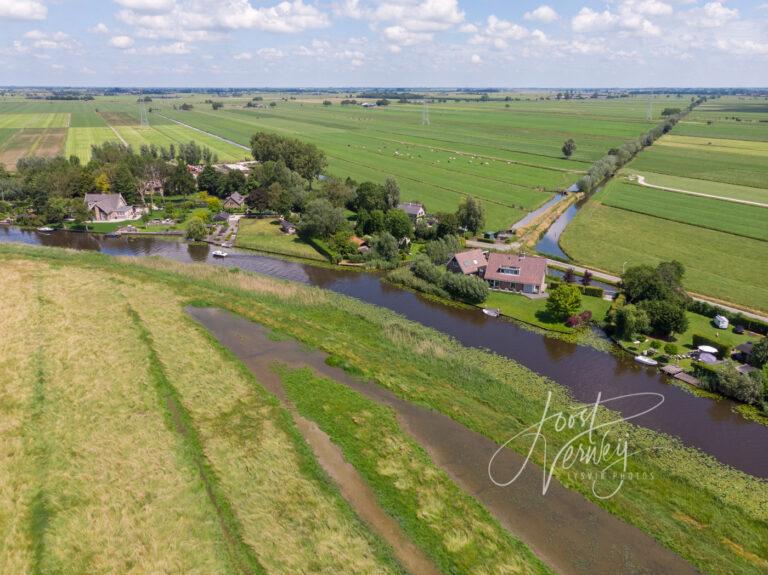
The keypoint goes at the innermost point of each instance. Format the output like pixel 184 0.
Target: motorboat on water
pixel 492 311
pixel 45 229
pixel 645 360
pixel 219 254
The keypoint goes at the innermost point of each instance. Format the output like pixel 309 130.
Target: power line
pixel 425 114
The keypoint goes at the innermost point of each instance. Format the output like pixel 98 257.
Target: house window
pixel 510 271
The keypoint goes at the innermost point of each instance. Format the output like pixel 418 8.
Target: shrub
pixel 727 380
pixel 470 289
pixel 405 277
pixel 427 271
pixel 656 344
pixel 671 349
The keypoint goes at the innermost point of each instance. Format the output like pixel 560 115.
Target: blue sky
pixel 624 43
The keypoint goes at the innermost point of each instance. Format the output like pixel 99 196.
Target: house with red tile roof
pixel 468 262
pixel 519 273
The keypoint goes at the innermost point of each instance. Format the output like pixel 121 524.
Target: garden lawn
pixel 265 235
pixel 533 311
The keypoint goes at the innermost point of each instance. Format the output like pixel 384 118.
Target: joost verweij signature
pixel 591 444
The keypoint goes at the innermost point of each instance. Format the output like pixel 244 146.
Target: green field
pixel 42 128
pixel 77 459
pixel 720 265
pixel 508 154
pixel 720 215
pixel 703 186
pixel 724 245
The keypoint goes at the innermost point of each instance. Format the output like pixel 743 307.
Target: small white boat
pixel 492 311
pixel 45 229
pixel 219 254
pixel 645 360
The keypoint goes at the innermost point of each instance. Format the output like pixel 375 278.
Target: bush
pixel 579 320
pixel 591 291
pixel 726 379
pixel 656 344
pixel 671 349
pixel 196 230
pixel 405 277
pixel 426 270
pixel 470 289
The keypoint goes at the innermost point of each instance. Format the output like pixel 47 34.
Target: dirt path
pixel 262 354
pixel 642 182
pixel 564 529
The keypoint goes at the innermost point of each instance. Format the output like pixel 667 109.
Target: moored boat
pixel 492 311
pixel 645 360
pixel 219 254
pixel 45 229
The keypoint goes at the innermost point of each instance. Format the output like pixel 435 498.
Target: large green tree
pixel 563 301
pixel 471 214
pixel 321 219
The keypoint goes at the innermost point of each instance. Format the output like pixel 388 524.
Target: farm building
pixel 287 227
pixel 414 210
pixel 234 202
pixel 110 208
pixel 524 274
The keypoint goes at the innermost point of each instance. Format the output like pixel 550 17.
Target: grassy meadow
pixel 712 515
pixel 132 443
pixel 265 236
pixel 720 149
pixel 507 153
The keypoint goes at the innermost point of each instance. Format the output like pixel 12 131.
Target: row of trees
pixel 616 158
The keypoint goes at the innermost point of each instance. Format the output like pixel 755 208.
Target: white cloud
pixel 23 10
pixel 543 13
pixel 99 28
pixel 498 33
pixel 193 20
pixel 53 41
pixel 468 28
pixel 715 14
pixel 174 48
pixel 242 56
pixel 147 5
pixel 270 54
pixel 476 59
pixel 588 20
pixel 122 42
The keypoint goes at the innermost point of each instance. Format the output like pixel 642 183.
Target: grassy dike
pixel 714 516
pixel 457 532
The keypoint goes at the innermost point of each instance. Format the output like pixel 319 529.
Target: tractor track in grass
pixel 241 555
pixel 570 533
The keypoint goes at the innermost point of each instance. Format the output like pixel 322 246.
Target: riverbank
pixel 676 487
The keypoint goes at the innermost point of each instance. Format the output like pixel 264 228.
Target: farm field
pixel 627 222
pixel 247 446
pixel 719 265
pixel 48 129
pixel 733 218
pixel 703 186
pixel 507 154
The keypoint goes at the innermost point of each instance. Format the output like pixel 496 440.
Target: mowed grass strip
pixel 265 235
pixel 718 264
pixel 454 529
pixel 286 511
pixel 733 218
pixel 112 493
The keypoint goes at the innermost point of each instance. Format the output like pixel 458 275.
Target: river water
pixel 709 425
